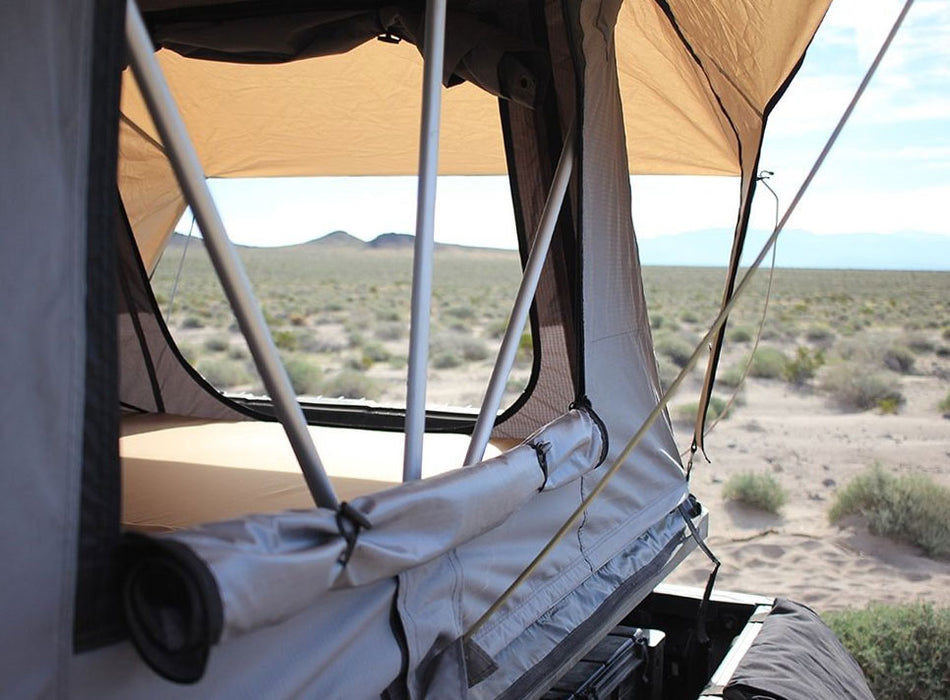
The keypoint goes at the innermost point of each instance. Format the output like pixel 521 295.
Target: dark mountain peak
pixel 392 241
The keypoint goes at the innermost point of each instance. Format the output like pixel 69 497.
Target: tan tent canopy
pixel 696 77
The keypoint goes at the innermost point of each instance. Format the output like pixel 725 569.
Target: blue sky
pixel 889 173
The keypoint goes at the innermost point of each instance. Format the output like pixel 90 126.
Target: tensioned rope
pixel 701 348
pixel 181 264
pixel 762 177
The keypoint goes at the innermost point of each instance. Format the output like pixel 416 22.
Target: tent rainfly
pixel 194 556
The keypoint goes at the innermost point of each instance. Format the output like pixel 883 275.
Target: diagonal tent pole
pixel 227 264
pixel 519 312
pixel 433 52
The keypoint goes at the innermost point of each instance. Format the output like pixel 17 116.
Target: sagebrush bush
pixel 731 377
pixel 217 343
pixel 803 366
pixel 222 373
pixel 350 384
pixel 910 508
pixel 759 490
pixel 821 335
pixel 686 413
pixel 854 387
pixel 899 358
pixel 903 650
pixel 944 405
pixel 739 334
pixel 767 363
pixel 675 348
pixel 306 377
pixel 920 343
pixel 390 330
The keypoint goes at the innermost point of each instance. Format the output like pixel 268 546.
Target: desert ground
pixel 852 368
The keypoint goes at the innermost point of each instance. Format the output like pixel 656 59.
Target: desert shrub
pixel 461 312
pixel 238 352
pixel 473 349
pixel 911 508
pixel 657 321
pixel 217 343
pixel 350 384
pixel 821 335
pixel 740 334
pixel 942 351
pixel 944 405
pixel 298 320
pixel 675 348
pixel 305 376
pixel 731 377
pixel 285 340
pixel 390 330
pixel 853 387
pixel 899 358
pixel 192 322
pixel 497 328
pixel 189 352
pixel 767 363
pixel 718 407
pixel 689 317
pixel 803 366
pixel 445 359
pixel 667 371
pixel 920 343
pixel 223 373
pixel 759 490
pixel 374 352
pixel 904 650
pixel 946 333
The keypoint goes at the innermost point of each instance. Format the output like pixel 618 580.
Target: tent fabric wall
pixel 45 67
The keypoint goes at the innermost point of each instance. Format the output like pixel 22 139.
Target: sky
pixel 889 172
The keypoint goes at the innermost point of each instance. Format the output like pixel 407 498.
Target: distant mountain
pixel 337 239
pixel 711 248
pixel 797 248
pixel 391 241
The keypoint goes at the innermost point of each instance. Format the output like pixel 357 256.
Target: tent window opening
pixel 323 220
pixel 337 303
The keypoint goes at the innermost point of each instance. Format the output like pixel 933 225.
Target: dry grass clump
pixel 910 508
pixel 856 388
pixel 759 490
pixel 902 649
pixel 944 406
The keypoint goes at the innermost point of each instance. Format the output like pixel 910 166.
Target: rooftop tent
pixel 292 603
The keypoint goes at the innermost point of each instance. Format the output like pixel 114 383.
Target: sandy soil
pixel 814 449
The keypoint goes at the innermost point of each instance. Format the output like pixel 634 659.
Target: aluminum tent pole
pixel 227 264
pixel 522 305
pixel 433 52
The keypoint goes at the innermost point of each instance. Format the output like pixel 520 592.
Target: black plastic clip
pixel 541 449
pixel 350 522
pixel 388 37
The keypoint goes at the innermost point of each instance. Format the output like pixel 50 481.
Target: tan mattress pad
pixel 179 471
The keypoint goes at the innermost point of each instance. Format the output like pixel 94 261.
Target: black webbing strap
pixel 704 604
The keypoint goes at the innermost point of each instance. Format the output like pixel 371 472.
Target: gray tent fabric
pixel 45 87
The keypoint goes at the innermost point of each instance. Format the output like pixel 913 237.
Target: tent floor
pixel 179 471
